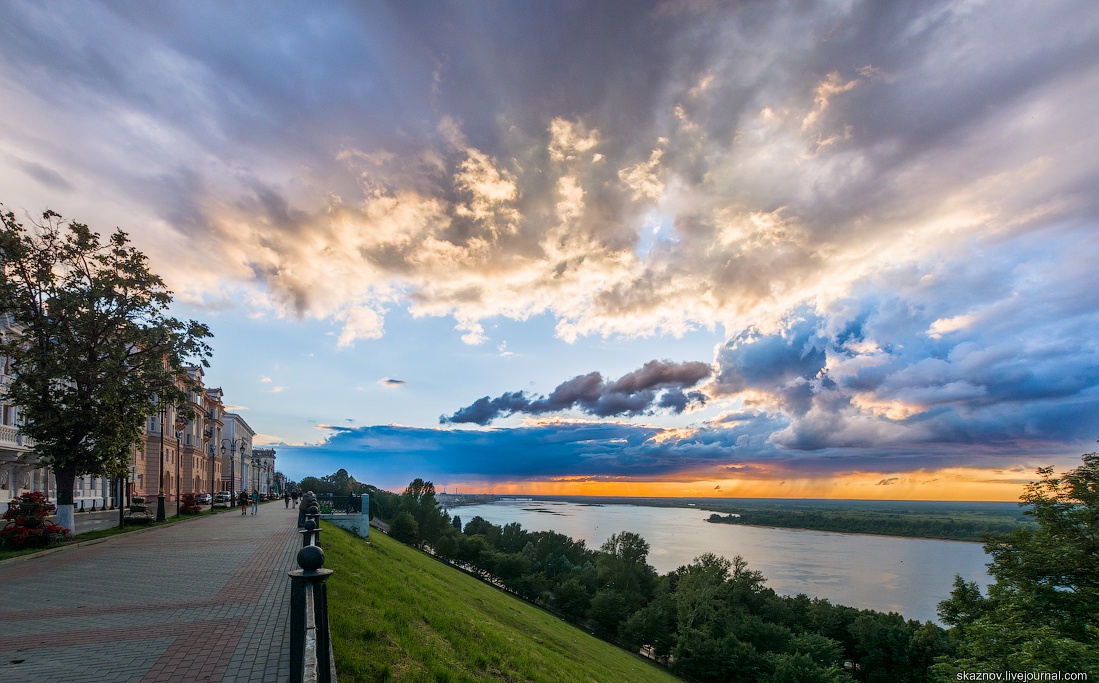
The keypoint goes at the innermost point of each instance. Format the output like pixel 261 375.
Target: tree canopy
pixel 93 349
pixel 1042 611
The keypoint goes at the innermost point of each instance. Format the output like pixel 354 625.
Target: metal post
pixel 310 657
pixel 179 488
pixel 160 496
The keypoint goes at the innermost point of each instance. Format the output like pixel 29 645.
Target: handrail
pixel 311 657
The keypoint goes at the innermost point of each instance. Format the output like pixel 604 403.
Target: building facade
pixel 264 477
pixel 236 453
pixel 181 452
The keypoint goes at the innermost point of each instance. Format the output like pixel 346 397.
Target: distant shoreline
pixel 962 521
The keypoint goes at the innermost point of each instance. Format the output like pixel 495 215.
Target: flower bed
pixel 27 525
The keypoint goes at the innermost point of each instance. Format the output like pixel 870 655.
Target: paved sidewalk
pixel 204 600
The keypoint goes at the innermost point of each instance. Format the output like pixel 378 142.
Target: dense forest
pixel 715 619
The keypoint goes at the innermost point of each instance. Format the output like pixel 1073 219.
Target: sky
pixel 670 248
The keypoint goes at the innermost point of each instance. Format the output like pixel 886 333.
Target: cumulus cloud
pixel 657 384
pixel 792 152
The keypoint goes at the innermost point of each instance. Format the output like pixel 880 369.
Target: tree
pixel 571 599
pixel 404 528
pixel 1042 611
pixel 341 483
pixel 623 566
pixel 419 501
pixel 93 350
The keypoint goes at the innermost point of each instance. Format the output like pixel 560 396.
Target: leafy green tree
pixel 800 668
pixel 1041 613
pixel 623 565
pixel 91 344
pixel 383 504
pixel 571 599
pixel 316 485
pixel 404 528
pixel 341 483
pixel 510 568
pixel 655 623
pixel 607 611
pixel 419 501
pixel 882 647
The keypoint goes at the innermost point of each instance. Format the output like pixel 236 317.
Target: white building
pixel 263 471
pixel 236 453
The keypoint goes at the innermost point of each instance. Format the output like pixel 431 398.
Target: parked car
pixel 223 499
pixel 205 499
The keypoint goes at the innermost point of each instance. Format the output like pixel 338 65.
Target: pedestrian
pixel 306 498
pixel 255 501
pixel 242 499
pixel 286 498
pixel 294 496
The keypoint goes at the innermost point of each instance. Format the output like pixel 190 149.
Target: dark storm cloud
pixel 656 384
pixel 389 456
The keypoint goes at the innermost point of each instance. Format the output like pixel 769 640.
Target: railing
pixel 10 436
pixel 311 659
pixel 340 504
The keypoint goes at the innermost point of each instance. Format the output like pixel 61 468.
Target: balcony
pixel 11 438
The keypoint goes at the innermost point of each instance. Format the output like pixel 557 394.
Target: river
pixel 886 573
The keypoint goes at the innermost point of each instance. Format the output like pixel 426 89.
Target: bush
pixel 27 525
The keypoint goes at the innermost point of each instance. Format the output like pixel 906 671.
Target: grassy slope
pixel 399 615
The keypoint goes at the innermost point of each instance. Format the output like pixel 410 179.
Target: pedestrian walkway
pixel 204 600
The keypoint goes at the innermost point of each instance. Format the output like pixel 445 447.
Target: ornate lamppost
pixel 181 422
pixel 160 496
pixel 232 444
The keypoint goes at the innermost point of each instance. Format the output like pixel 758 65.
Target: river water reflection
pixel 905 575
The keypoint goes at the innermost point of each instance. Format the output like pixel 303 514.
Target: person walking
pixel 255 501
pixel 242 500
pixel 286 499
pixel 294 496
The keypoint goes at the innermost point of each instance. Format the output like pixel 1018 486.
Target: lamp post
pixel 208 433
pixel 160 496
pixel 233 443
pixel 180 424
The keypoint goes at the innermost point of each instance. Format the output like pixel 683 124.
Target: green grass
pixel 399 615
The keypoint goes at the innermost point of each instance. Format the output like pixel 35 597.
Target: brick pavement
pixel 205 600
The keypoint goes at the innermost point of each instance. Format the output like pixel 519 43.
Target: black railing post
pixel 310 535
pixel 310 641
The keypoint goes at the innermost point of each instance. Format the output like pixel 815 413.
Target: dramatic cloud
pixel 659 384
pixel 886 212
pixel 787 153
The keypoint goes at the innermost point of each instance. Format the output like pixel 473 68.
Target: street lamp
pixel 233 443
pixel 208 450
pixel 160 496
pixel 181 422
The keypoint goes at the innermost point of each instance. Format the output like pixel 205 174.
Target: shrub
pixel 27 525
